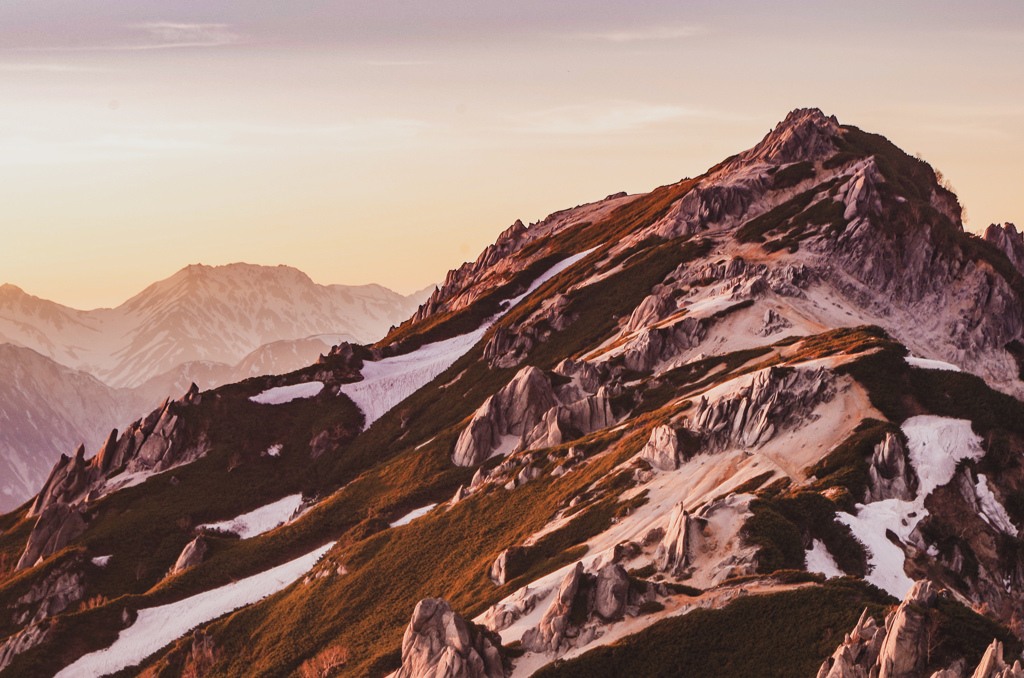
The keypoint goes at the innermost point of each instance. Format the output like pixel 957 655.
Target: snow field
pixel 155 627
pixel 820 560
pixel 388 382
pixel 926 364
pixel 413 515
pixel 936 444
pixel 285 394
pixel 263 519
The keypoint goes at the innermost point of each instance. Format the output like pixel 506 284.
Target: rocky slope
pixel 719 429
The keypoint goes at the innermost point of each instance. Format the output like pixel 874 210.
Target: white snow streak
pixel 926 364
pixel 413 515
pixel 101 561
pixel 158 626
pixel 389 381
pixel 263 519
pixel 820 560
pixel 936 444
pixel 286 394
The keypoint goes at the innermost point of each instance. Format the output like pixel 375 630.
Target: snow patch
pixel 389 381
pixel 101 561
pixel 273 450
pixel 155 627
pixel 285 394
pixel 413 515
pixel 936 445
pixel 263 519
pixel 926 364
pixel 820 560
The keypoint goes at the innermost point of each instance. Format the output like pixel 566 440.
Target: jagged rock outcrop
pixel 565 422
pixel 860 193
pixel 729 195
pixel 55 528
pixel 900 648
pixel 654 344
pixel 153 444
pixel 507 349
pixel 530 408
pixel 1009 240
pixel 776 399
pixel 772 323
pixel 806 134
pixel 858 654
pixel 589 376
pixel 70 480
pixel 190 556
pixel 510 241
pixel 993 666
pixel 439 644
pixel 904 651
pixel 653 309
pixel 890 472
pixel 582 605
pixel 22 641
pixel 662 450
pixel 64 585
pixel 554 628
pixel 674 553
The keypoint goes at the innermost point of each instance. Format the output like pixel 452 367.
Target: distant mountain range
pixel 72 376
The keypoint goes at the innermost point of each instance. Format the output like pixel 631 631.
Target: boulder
pixel 612 592
pixel 503 568
pixel 439 644
pixel 662 450
pixel 191 555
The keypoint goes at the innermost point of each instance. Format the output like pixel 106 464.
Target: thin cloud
pixel 170 35
pixel 156 35
pixel 49 68
pixel 608 118
pixel 398 63
pixel 648 34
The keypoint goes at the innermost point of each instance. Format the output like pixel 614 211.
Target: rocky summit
pixel 766 421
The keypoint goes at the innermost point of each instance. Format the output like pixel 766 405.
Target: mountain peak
pixel 806 134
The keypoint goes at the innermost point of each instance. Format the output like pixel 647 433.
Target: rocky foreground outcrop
pixel 900 648
pixel 438 643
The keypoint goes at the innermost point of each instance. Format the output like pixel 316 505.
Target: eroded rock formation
pixel 776 399
pixel 529 408
pixel 438 643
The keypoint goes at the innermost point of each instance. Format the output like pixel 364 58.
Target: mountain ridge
pixel 724 426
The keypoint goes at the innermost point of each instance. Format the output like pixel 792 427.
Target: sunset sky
pixel 389 141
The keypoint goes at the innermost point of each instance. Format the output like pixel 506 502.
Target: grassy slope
pixel 797 631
